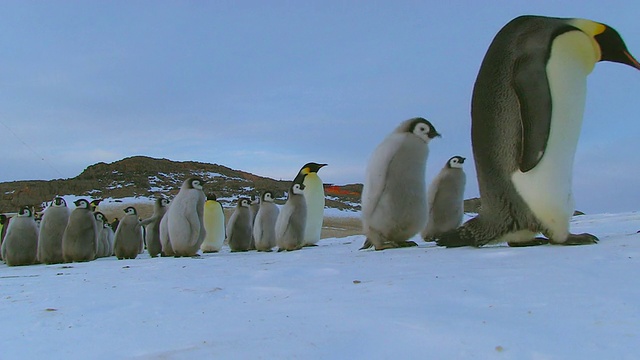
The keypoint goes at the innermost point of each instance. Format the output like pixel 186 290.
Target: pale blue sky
pixel 266 86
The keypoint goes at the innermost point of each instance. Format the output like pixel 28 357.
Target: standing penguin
pixel 527 107
pixel 213 224
pixel 445 199
pixel 182 227
pixel 103 242
pixel 20 246
pixel 54 221
pixel 314 197
pixel 3 229
pixel 264 227
pixel 394 200
pixel 253 209
pixel 292 220
pixel 128 236
pixel 79 238
pixel 152 235
pixel 107 236
pixel 239 227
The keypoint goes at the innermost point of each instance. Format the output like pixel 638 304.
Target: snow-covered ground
pixel 335 302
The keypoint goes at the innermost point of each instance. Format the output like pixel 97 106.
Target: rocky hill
pixel 146 177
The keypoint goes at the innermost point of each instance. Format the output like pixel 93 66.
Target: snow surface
pixel 335 302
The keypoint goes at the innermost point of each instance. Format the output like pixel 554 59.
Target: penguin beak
pixel 632 61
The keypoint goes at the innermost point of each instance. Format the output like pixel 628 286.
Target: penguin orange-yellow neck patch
pixel 590 28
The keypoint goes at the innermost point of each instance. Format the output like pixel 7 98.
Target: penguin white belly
pixel 547 187
pixel 314 196
pixel 214 224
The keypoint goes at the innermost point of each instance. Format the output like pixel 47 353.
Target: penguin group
pixel 181 227
pixel 526 113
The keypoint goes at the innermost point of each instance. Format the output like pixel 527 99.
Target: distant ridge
pixel 142 176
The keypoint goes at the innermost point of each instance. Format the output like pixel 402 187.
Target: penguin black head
pixel 3 219
pixel 81 204
pixel 423 129
pixel 212 196
pixel 130 210
pixel 99 216
pixel 297 188
pixel 194 183
pixel 94 204
pixel 58 202
pixel 162 202
pixel 456 162
pixel 244 202
pixel 613 48
pixel 255 200
pixel 25 212
pixel 311 167
pixel 267 196
pixel 308 168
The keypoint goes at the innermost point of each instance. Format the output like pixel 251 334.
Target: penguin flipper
pixel 532 88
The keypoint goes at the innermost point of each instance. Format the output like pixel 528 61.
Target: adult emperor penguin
pixel 239 227
pixel 213 224
pixel 152 224
pixel 394 196
pixel 314 197
pixel 182 227
pixel 527 107
pixel 54 221
pixel 292 220
pixel 445 199
pixel 79 238
pixel 128 236
pixel 264 227
pixel 20 246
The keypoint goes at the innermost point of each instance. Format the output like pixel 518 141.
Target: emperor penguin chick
pixel 314 197
pixel 4 223
pixel 213 224
pixel 292 220
pixel 183 231
pixel 253 209
pixel 394 203
pixel 128 235
pixel 239 227
pixel 526 113
pixel 79 241
pixel 104 246
pixel 107 236
pixel 445 199
pixel 264 227
pixel 152 224
pixel 54 221
pixel 20 245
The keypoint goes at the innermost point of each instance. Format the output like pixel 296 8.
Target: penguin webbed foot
pixel 404 244
pixel 367 245
pixel 453 239
pixel 396 245
pixel 578 239
pixel 533 242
